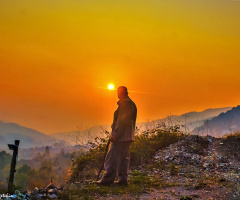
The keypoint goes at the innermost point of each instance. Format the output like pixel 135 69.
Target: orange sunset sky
pixel 57 55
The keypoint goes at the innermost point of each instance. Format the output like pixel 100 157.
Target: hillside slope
pixel 29 137
pixel 192 167
pixel 222 124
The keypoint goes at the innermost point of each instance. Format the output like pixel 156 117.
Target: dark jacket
pixel 124 120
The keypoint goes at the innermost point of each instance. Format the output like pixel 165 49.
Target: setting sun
pixel 110 86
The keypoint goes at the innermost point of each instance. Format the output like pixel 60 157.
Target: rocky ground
pixel 205 167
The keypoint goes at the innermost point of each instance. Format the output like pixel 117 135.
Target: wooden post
pixel 13 147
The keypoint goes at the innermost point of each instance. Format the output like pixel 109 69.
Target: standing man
pixel 123 128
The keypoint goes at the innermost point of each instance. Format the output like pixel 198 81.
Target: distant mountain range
pixel 225 123
pixel 189 120
pixel 28 137
pixel 31 138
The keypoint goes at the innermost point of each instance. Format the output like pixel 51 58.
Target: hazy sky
pixel 55 55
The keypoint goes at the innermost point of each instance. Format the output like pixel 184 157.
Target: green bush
pixel 147 144
pixel 86 166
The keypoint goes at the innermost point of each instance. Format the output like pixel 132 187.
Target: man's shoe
pixel 102 183
pixel 124 183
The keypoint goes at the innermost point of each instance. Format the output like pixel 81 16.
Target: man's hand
pixel 112 139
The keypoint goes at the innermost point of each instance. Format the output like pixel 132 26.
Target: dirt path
pixel 177 193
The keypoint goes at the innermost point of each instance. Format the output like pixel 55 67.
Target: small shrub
pixel 174 170
pixel 87 165
pixel 148 143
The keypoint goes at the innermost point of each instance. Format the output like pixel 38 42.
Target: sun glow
pixel 110 86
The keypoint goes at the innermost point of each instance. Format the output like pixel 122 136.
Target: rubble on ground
pixel 201 162
pixel 48 192
pixel 204 152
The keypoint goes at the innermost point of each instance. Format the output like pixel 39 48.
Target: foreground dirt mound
pixel 207 165
pixel 205 152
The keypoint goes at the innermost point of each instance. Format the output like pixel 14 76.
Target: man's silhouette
pixel 123 128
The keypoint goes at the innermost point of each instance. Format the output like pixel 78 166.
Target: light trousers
pixel 117 162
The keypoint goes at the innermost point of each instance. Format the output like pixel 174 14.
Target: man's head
pixel 122 92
